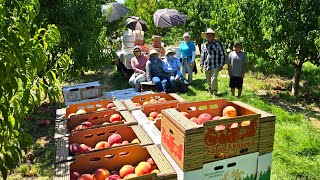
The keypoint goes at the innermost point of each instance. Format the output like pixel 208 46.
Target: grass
pixel 296 152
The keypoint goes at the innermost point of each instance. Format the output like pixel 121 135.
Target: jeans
pixel 212 79
pixel 160 83
pixel 175 86
pixel 134 81
pixel 186 66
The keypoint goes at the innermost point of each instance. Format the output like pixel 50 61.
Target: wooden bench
pixel 149 86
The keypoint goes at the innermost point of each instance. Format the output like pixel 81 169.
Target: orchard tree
pixel 29 68
pixel 292 29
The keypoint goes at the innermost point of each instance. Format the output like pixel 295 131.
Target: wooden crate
pixel 114 159
pixel 91 137
pixel 192 145
pixel 92 106
pixel 129 103
pixel 267 128
pixel 141 116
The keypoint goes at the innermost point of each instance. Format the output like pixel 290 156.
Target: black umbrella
pixel 117 11
pixel 168 18
pixel 135 23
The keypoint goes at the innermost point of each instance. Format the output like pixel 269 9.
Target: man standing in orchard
pixel 212 60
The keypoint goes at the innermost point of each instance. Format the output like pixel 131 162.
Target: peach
pixel 115 118
pixel 125 170
pixel 216 118
pixel 84 148
pixel 185 114
pixel 155 171
pixel 113 177
pixel 101 109
pixel 81 111
pixel 114 138
pixel 220 127
pixel 100 174
pixel 129 176
pixel 80 127
pixel 151 118
pixel 229 111
pixel 116 144
pixel 204 117
pixel 85 177
pixel 153 101
pixel 162 100
pixel 75 148
pixel 102 145
pixel 245 123
pixel 194 119
pixel 87 123
pixel 159 116
pixel 137 104
pixel 135 141
pixel 110 106
pixel 233 125
pixel 152 163
pixel 124 142
pixel 153 114
pixel 74 176
pixel 143 168
pixel 72 114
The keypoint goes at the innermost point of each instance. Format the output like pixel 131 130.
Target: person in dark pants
pixel 237 65
pixel 171 66
pixel 155 72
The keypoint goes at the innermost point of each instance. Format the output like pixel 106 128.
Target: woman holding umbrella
pixel 187 55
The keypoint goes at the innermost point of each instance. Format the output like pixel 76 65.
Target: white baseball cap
pixel 186 34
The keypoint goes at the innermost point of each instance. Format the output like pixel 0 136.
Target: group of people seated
pixel 164 74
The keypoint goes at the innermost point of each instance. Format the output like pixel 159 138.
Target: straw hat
pixel 153 51
pixel 168 51
pixel 209 31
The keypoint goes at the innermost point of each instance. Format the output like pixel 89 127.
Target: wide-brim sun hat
pixel 209 31
pixel 153 51
pixel 168 51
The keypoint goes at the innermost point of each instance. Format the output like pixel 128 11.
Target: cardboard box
pixel 92 106
pixel 114 159
pixel 142 115
pixel 153 132
pixel 84 101
pixel 264 166
pixel 188 175
pixel 240 167
pixel 81 91
pixel 172 97
pixel 192 145
pixel 91 137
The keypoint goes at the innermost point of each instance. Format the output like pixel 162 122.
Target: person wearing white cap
pixel 171 66
pixel 187 55
pixel 138 63
pixel 155 71
pixel 212 60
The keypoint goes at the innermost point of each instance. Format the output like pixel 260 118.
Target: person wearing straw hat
pixel 187 55
pixel 155 71
pixel 171 66
pixel 138 63
pixel 212 60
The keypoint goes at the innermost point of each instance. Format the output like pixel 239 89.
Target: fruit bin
pixel 114 159
pixel 92 106
pixel 129 103
pixel 192 145
pixel 142 115
pixel 63 128
pixel 267 128
pixel 90 137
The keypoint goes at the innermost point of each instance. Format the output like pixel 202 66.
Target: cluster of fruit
pixel 228 112
pixel 126 172
pixel 154 116
pixel 82 111
pixel 113 140
pixel 113 118
pixel 152 100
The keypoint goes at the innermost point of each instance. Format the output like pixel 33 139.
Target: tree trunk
pixel 296 78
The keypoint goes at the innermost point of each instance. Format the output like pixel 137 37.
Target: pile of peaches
pixel 113 118
pixel 82 111
pixel 113 140
pixel 126 172
pixel 152 101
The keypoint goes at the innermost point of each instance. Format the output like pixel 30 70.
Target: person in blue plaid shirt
pixel 212 60
pixel 171 66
